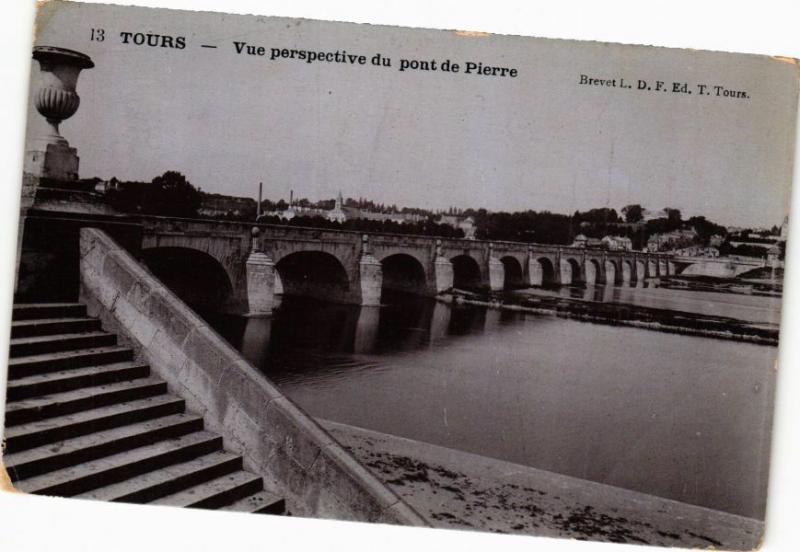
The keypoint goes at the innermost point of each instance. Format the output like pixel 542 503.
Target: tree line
pixel 171 194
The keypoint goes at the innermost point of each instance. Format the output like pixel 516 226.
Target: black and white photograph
pixel 416 277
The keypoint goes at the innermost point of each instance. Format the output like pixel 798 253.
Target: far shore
pixel 663 320
pixel 460 490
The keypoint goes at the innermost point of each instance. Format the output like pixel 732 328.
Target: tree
pixel 603 215
pixel 633 213
pixel 673 216
pixel 705 228
pixel 167 195
pixel 171 195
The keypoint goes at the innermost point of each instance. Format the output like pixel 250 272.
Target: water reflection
pixel 254 344
pixel 682 417
pixel 308 327
pixel 366 334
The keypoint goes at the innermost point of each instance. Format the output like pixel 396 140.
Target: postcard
pixel 416 277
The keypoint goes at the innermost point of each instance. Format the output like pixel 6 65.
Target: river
pixel 677 416
pixel 757 309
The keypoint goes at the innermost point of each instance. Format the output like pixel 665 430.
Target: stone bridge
pixel 221 264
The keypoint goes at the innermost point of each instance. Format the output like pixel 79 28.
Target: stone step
pixel 37 345
pixel 84 419
pixel 53 430
pixel 52 326
pixel 55 362
pixel 32 311
pixel 262 502
pixel 169 480
pixel 71 452
pixel 112 469
pixel 77 400
pixel 76 378
pixel 215 493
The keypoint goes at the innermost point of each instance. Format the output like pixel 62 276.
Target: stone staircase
pixel 84 419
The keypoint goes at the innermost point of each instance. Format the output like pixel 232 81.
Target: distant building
pixel 773 256
pixel 617 243
pixel 465 224
pixel 656 243
pixel 579 241
pixel 697 251
pixel 337 214
pixel 676 239
pixel 582 241
pixel 402 218
pixel 468 227
pixel 215 205
pixel 340 213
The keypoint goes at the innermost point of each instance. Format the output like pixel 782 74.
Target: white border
pixel 36 523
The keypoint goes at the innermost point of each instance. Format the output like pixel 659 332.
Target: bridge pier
pixel 651 267
pixel 532 272
pixel 442 271
pixel 260 273
pixel 496 271
pixel 558 278
pixel 370 276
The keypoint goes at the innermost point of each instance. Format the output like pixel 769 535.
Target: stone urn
pixel 50 155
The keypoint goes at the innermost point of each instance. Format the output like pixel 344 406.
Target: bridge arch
pixel 570 271
pixel 626 274
pixel 466 272
pixel 313 274
pixel 403 272
pixel 512 273
pixel 543 272
pixel 611 272
pixel 199 279
pixel 595 273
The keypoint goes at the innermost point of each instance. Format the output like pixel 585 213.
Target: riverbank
pixel 459 490
pixel 760 281
pixel 621 314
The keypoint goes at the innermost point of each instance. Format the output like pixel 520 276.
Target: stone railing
pixel 276 438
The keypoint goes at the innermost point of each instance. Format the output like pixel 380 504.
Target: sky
pixel 430 139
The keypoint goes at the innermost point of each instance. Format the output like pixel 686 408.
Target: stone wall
pixel 47 257
pixel 278 440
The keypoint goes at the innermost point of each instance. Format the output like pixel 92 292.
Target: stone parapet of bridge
pixel 276 438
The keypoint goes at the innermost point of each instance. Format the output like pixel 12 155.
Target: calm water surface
pixel 681 417
pixel 750 308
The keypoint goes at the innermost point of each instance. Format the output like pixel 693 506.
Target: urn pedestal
pixel 50 156
pixel 45 270
pixel 52 161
